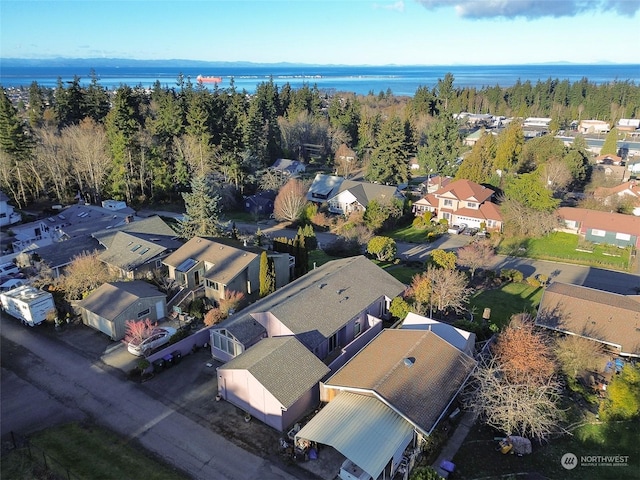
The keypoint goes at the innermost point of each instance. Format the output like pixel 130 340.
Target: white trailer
pixel 28 304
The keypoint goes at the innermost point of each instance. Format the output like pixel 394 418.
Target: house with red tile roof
pixel 462 201
pixel 602 227
pixel 608 318
pixel 627 190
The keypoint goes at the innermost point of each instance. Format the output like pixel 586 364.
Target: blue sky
pixel 351 32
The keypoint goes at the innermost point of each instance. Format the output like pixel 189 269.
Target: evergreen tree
pixel 443 145
pixel 509 148
pixel 267 276
pixel 202 211
pixel 477 165
pixel 529 190
pixel 610 145
pixel 16 148
pixel 389 161
pixel 36 105
pixel 95 100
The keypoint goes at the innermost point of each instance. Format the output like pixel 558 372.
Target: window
pixel 472 205
pixel 623 236
pixel 448 203
pixel 223 342
pixel 357 328
pixel 144 313
pixel 333 342
pixel 136 247
pixel 597 233
pixel 213 285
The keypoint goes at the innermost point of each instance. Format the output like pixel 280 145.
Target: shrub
pixel 512 274
pixel 533 282
pixel 196 308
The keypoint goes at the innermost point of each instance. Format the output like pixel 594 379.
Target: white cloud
pixel 397 6
pixel 532 9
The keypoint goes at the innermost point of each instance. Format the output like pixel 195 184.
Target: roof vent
pixel 409 361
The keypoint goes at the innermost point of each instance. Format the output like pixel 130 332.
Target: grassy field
pixel 409 234
pixel 566 247
pixel 80 451
pixel 505 301
pixel 478 458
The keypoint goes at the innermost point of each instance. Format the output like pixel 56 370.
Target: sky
pixel 347 32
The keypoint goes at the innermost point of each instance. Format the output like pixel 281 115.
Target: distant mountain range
pixel 127 62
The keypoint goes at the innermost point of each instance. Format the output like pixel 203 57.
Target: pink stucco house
pixel 297 335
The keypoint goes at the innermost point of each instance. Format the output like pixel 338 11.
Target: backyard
pixel 478 457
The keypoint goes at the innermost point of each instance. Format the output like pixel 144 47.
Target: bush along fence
pixel 21 445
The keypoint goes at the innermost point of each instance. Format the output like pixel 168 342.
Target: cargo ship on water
pixel 203 79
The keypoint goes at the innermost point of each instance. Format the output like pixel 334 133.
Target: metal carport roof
pixel 361 428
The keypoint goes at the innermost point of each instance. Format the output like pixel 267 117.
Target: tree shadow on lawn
pixel 478 456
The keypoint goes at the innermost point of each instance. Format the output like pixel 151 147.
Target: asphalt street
pixel 44 383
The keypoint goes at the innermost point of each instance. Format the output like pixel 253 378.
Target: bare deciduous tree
pixel 441 289
pixel 576 354
pixel 523 221
pixel 290 202
pixel 525 408
pixel 476 255
pixel 523 353
pixel 85 273
pixel 137 331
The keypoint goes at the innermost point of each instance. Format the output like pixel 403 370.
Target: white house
pixel 7 215
pixel 461 339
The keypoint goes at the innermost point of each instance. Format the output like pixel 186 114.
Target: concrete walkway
pixel 452 446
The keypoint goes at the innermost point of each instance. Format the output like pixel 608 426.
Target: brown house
pixel 608 318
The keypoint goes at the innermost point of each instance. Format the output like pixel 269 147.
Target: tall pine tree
pixel 202 211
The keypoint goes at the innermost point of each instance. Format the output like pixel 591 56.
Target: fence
pixel 21 445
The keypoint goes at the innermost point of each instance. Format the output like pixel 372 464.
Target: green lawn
pixel 567 248
pixel 505 301
pixel 477 458
pixel 86 452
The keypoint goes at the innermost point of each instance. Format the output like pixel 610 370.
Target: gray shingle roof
pixel 59 254
pixel 318 304
pixel 365 192
pixel 111 299
pixel 283 366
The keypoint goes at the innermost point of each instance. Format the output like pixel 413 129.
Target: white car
pixel 159 336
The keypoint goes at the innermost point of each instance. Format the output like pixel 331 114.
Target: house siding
pixel 610 238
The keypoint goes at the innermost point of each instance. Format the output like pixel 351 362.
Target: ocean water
pixel 401 80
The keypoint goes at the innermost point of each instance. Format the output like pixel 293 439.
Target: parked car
pixel 11 284
pixel 456 229
pixel 159 336
pixel 471 231
pixel 483 233
pixel 7 269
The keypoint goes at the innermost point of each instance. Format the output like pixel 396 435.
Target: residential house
pixel 388 398
pixel 628 124
pixel 471 139
pixel 459 338
pixel 633 166
pixel 261 204
pixel 462 201
pixel 353 196
pixel 7 214
pixel 74 221
pixel 345 160
pixel 290 168
pixel 616 172
pixel 220 266
pixel 594 126
pixel 608 159
pixel 136 249
pixel 110 306
pixel 275 381
pixel 625 191
pixel 435 183
pixel 324 187
pixel 602 227
pixel 607 318
pixel 331 312
pixel 57 256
